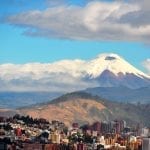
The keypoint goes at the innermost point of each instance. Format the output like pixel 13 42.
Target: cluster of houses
pixel 26 133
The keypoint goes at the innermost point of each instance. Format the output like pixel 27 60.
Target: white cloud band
pixel 68 75
pixel 111 21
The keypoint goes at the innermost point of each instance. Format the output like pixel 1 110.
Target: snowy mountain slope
pixel 114 64
pixel 107 70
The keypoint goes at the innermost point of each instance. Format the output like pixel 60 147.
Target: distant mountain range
pixel 108 76
pixel 122 94
pixel 106 70
pixel 84 108
pixel 14 100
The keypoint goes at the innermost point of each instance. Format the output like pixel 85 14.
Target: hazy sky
pixel 48 30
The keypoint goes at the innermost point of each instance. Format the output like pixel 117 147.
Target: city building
pixel 146 144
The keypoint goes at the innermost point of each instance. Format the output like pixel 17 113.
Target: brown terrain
pixel 84 108
pixel 67 111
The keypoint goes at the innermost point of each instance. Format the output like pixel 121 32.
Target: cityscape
pixel 24 132
pixel 75 75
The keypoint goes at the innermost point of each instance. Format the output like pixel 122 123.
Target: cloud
pixel 146 65
pixel 140 17
pixel 44 77
pixel 65 75
pixel 111 21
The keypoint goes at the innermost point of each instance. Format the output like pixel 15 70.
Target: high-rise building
pixel 55 137
pixel 96 127
pixel 144 132
pixel 146 144
pixel 106 127
pixel 119 126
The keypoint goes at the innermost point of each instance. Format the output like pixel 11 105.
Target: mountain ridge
pixel 122 94
pixel 106 70
pixel 65 76
pixel 85 108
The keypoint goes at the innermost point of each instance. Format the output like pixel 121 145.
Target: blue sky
pixel 18 47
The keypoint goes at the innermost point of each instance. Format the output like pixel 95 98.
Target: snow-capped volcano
pixel 106 70
pixel 114 63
